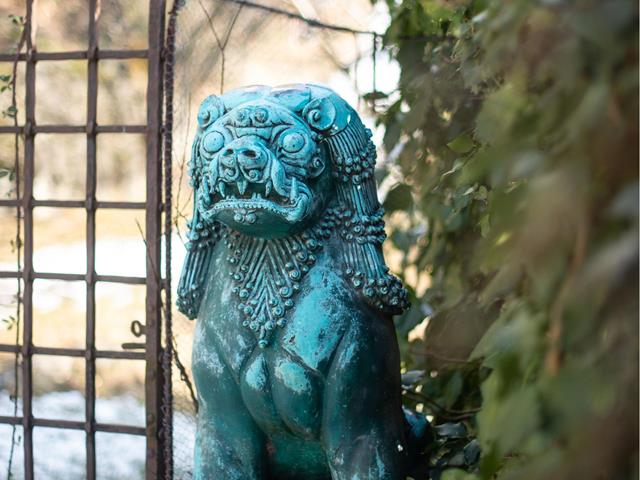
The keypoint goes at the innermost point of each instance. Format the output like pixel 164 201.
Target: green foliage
pixel 514 139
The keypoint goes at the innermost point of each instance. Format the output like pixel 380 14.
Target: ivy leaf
pixel 471 452
pixel 412 377
pixel 463 143
pixel 377 95
pixel 398 198
pixel 10 112
pixel 451 430
pixel 457 474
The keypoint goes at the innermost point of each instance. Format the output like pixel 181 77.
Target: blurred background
pixel 258 48
pixel 508 168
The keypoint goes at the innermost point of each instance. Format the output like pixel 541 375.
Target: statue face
pixel 263 172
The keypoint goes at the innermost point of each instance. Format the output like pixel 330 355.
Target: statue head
pixel 261 164
pixel 275 162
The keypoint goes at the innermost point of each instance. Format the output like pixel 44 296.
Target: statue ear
pixel 327 115
pixel 201 237
pixel 210 110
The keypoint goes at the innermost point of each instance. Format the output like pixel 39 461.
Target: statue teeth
pixel 222 186
pixel 267 188
pixel 242 186
pixel 293 193
pixel 278 177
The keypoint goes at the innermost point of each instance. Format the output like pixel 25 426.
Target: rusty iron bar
pixel 75 352
pixel 76 277
pixel 153 208
pixel 75 425
pixel 77 55
pixel 153 374
pixel 78 204
pixel 167 137
pixel 90 206
pixel 75 129
pixel 27 206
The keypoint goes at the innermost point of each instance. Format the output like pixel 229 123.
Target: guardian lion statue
pixel 295 356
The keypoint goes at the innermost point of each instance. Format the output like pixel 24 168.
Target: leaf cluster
pixel 513 152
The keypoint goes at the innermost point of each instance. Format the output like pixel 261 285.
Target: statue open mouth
pixel 244 202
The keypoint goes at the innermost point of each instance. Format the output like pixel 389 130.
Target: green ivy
pixel 513 141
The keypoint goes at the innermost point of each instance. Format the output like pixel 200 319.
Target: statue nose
pixel 229 165
pixel 243 161
pixel 252 162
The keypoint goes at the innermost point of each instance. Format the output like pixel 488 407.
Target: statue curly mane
pixel 268 268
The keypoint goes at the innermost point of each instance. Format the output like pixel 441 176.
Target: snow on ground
pixel 60 454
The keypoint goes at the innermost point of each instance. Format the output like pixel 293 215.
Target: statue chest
pixel 282 380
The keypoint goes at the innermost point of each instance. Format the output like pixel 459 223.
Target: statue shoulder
pixel 327 310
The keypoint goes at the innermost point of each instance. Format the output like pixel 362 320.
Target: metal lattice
pixel 156 409
pixel 170 404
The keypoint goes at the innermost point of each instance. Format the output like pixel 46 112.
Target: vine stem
pixel 18 241
pixel 553 359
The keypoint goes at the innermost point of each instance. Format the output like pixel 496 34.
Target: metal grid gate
pixel 155 413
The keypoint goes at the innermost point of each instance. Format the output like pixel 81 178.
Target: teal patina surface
pixel 295 356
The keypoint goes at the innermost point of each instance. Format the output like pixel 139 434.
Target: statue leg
pixel 362 428
pixel 229 444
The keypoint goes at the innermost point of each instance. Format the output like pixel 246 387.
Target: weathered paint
pixel 295 355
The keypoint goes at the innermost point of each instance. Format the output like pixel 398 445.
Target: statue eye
pixel 212 142
pixel 293 142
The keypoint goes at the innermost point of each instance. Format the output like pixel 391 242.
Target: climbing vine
pixel 512 147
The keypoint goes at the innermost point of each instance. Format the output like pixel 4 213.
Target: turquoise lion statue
pixel 295 355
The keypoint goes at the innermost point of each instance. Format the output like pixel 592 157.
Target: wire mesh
pixel 28 418
pixel 225 44
pixel 219 45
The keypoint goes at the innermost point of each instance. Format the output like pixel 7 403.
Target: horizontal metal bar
pixel 122 205
pixel 81 352
pixel 10 129
pixel 69 277
pixel 124 429
pixel 66 424
pixel 77 204
pixel 119 355
pixel 59 203
pixel 58 352
pixel 4 274
pixel 59 129
pixel 75 425
pixel 76 55
pixel 77 277
pixel 10 420
pixel 121 129
pixel 9 348
pixel 74 352
pixel 121 279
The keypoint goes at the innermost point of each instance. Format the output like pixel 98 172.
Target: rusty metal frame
pixel 154 407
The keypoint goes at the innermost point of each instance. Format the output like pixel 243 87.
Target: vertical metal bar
pixel 167 134
pixel 153 374
pixel 27 199
pixel 90 363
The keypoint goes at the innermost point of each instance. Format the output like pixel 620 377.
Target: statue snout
pixel 244 161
